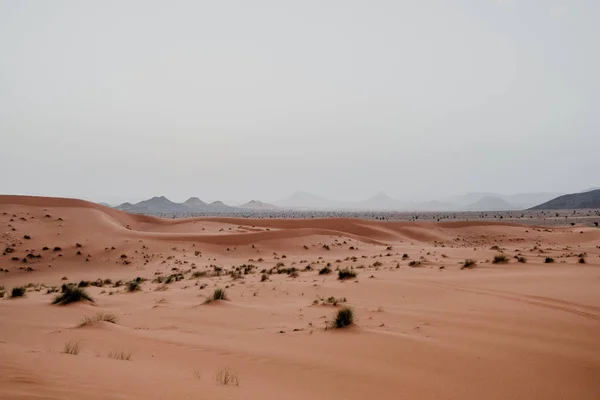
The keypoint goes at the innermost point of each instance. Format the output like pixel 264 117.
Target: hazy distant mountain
pixel 155 205
pixel 589 199
pixel 490 203
pixel 306 200
pixel 196 204
pixel 381 201
pixel 258 205
pixel 519 201
pixel 220 206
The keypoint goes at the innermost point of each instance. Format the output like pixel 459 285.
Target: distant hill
pixel 155 206
pixel 196 204
pixel 490 203
pixel 306 200
pixel 162 205
pixel 258 205
pixel 589 199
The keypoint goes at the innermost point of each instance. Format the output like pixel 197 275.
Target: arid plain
pixel 524 327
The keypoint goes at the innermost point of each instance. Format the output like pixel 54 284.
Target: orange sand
pixel 497 331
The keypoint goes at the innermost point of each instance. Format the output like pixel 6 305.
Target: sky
pixel 236 100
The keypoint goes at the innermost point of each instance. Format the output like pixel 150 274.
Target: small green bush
pixel 500 259
pixel 343 317
pixel 218 294
pixel 346 274
pixel 72 295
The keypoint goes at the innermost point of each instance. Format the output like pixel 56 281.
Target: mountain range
pixel 380 202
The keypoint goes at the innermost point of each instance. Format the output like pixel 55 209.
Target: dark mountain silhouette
pixel 589 199
pixel 155 205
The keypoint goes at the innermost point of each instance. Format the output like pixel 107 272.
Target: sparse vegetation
pixel 414 264
pixel 218 294
pixel 469 263
pixel 120 355
pixel 100 317
pixel 227 377
pixel 325 271
pixel 581 260
pixel 500 259
pixel 521 259
pixel 549 260
pixel 71 347
pixel 18 292
pixel 343 317
pixel 133 286
pixel 71 294
pixel 346 273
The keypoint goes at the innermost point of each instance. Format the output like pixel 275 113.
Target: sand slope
pixel 497 331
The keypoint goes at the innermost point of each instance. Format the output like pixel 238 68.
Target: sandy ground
pixel 496 331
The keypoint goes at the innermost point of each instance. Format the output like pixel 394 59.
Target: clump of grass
pixel 326 246
pixel 18 291
pixel 549 260
pixel 71 347
pixel 324 271
pixel 521 259
pixel 218 294
pixel 343 317
pixel 264 277
pixel 133 286
pixel 414 263
pixel 72 295
pixel 500 259
pixel 100 317
pixel 581 260
pixel 469 263
pixel 120 355
pixel 227 377
pixel 198 274
pixel 346 274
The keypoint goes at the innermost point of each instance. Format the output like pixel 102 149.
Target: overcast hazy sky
pixel 122 100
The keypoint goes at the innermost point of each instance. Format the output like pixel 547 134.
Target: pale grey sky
pixel 233 100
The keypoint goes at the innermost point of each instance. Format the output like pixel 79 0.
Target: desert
pixel 441 310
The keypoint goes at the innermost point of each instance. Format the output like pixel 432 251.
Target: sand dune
pixel 496 331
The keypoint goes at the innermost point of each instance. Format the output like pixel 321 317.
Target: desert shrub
pixel 198 274
pixel 264 277
pixel 27 237
pixel 71 347
pixel 120 355
pixel 18 291
pixel 218 294
pixel 84 284
pixel 469 263
pixel 414 263
pixel 133 286
pixel 343 317
pixel 500 259
pixel 346 274
pixel 72 294
pixel 324 271
pixel 227 377
pixel 404 256
pixel 377 264
pixel 521 259
pixel 549 260
pixel 100 317
pixel 581 260
pixel 326 246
